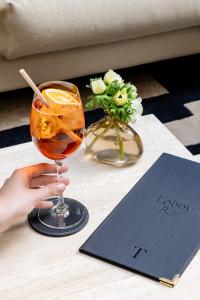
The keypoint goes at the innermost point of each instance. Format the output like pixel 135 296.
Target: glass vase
pixel 113 142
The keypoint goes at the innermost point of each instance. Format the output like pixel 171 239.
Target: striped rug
pixel 170 90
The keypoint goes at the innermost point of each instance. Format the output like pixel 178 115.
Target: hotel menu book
pixel 155 229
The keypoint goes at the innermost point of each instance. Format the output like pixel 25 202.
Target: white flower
pixel 138 109
pixel 110 76
pixel 120 98
pixel 98 86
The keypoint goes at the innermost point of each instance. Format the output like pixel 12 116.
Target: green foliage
pixel 113 88
pixel 107 100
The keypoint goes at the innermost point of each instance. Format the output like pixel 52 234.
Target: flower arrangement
pixel 118 99
pixel 111 140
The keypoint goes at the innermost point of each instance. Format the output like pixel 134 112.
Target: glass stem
pixel 61 207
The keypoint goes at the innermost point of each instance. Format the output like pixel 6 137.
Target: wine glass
pixel 57 132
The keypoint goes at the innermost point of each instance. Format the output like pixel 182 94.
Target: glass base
pixel 70 218
pixel 49 222
pixel 111 157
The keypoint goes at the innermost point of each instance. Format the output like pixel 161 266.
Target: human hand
pixel 19 195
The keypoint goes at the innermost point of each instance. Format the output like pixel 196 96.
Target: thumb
pixel 48 191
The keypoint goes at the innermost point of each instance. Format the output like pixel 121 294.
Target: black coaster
pixel 78 218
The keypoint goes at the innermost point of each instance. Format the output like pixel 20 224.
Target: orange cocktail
pixel 57 130
pixel 57 124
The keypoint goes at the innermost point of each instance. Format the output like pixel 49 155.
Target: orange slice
pixel 70 133
pixel 61 97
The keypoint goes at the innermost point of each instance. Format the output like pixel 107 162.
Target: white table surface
pixel 36 267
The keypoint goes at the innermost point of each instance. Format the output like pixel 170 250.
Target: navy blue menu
pixel 155 229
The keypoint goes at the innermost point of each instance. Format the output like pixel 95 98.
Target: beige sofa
pixel 61 39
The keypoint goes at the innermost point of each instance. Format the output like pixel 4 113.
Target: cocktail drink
pixel 57 131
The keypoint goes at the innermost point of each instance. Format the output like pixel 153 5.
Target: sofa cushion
pixel 39 26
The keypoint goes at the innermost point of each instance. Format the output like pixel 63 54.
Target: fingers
pixel 47 179
pixel 43 168
pixel 47 191
pixel 42 180
pixel 44 204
